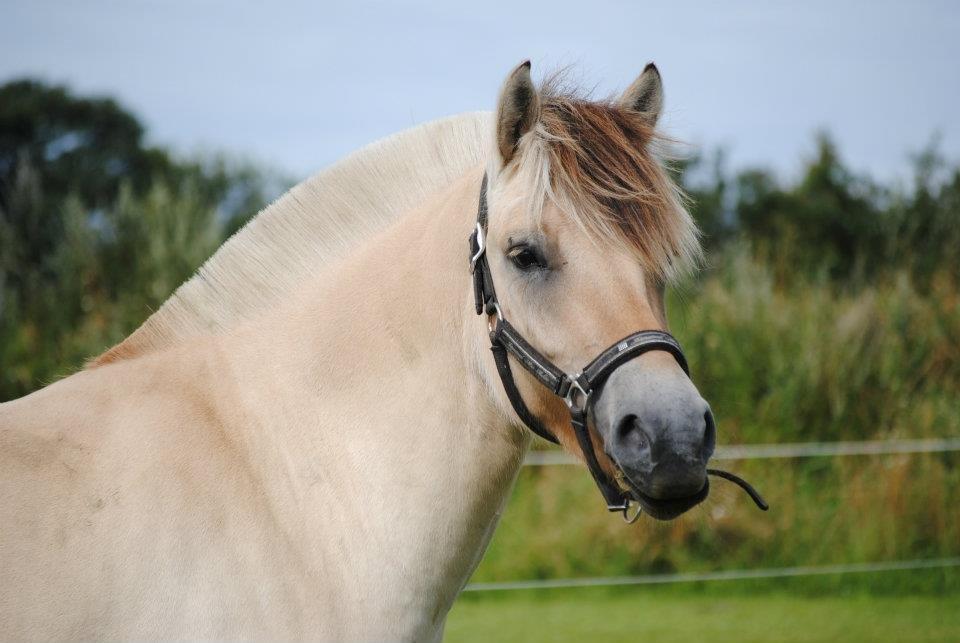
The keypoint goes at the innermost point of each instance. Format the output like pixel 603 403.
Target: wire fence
pixel 750 452
pixel 732 574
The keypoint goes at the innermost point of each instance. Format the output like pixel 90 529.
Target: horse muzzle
pixel 660 434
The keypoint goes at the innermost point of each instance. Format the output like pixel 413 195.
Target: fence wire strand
pixel 732 574
pixel 750 452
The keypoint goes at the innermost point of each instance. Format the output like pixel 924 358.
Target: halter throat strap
pixel 576 390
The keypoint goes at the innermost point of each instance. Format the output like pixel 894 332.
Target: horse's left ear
pixel 645 95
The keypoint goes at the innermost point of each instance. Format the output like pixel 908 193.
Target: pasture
pixel 722 613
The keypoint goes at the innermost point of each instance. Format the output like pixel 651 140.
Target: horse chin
pixel 668 508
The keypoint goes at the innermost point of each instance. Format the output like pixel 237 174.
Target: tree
pixel 96 228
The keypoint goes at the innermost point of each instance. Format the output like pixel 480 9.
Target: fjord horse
pixel 310 438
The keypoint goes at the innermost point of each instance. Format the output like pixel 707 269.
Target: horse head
pixel 585 231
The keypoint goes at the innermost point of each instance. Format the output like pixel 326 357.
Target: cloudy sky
pixel 296 85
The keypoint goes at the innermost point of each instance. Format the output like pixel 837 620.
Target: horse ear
pixel 517 110
pixel 645 95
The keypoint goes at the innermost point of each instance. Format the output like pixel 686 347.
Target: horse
pixel 311 438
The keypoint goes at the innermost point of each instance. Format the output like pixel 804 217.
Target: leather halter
pixel 575 390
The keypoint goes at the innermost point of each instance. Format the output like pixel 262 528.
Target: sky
pixel 297 85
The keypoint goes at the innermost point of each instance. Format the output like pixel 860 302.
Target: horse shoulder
pixel 117 483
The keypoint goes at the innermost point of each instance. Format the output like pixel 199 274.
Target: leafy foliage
pixel 96 227
pixel 831 223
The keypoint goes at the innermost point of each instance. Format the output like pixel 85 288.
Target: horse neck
pixel 382 429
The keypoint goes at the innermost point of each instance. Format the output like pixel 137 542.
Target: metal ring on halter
pixel 631 519
pixel 571 397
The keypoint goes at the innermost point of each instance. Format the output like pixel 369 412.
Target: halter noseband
pixel 575 390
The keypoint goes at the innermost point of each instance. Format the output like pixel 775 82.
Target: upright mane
pixel 313 224
pixel 602 165
pixel 596 160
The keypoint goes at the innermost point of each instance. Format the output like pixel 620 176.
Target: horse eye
pixel 525 258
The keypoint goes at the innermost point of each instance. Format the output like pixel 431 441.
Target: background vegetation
pixel 96 227
pixel 830 310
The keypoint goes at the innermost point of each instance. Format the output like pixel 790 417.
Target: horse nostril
pixel 709 436
pixel 629 431
pixel 625 425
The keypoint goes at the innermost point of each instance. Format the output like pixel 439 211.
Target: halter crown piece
pixel 575 390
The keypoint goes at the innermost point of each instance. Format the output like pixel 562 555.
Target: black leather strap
pixel 625 350
pixel 615 498
pixel 504 338
pixel 513 394
pixel 531 359
pixel 483 291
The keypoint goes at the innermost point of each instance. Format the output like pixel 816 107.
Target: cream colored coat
pixel 309 439
pixel 300 477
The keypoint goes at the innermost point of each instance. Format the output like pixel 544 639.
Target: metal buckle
pixel 574 394
pixel 481 247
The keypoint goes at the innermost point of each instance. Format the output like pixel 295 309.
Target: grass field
pixel 653 615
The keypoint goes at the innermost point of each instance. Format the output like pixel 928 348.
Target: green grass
pixel 653 615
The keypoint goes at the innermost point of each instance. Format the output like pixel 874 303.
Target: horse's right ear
pixel 645 95
pixel 517 111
